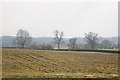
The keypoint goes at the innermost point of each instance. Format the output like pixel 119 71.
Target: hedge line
pixel 106 51
pixel 84 50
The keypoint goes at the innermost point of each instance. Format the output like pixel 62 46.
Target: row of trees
pixel 91 39
pixel 23 38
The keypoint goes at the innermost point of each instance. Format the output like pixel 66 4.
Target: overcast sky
pixel 74 18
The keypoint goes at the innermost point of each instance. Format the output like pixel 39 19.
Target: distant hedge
pixel 106 51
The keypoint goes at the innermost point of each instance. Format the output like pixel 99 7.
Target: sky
pixel 73 17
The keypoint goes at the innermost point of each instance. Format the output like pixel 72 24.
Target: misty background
pixel 74 18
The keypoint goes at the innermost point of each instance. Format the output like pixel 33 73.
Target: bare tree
pixel 58 38
pixel 91 39
pixel 22 38
pixel 72 42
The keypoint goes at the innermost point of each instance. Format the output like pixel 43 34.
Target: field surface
pixel 25 63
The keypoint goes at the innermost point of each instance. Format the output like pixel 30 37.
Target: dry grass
pixel 40 63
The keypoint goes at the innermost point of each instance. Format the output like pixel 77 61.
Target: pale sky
pixel 73 17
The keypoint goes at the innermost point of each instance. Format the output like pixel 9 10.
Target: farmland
pixel 20 63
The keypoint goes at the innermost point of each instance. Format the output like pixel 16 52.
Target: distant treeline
pixel 91 41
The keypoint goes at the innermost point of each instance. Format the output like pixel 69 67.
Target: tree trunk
pixel 93 46
pixel 22 46
pixel 58 46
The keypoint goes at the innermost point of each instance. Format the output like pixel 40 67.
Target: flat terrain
pixel 25 63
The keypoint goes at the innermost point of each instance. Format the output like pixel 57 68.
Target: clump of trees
pixel 105 44
pixel 37 46
pixel 23 38
pixel 34 45
pixel 91 39
pixel 46 47
pixel 72 43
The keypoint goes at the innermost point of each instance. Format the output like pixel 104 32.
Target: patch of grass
pixel 114 49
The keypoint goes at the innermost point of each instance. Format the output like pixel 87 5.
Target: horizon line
pixel 63 37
